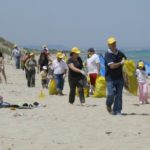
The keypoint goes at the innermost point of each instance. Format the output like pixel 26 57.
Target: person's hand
pixel 83 73
pixel 64 76
pixel 122 62
pixel 51 76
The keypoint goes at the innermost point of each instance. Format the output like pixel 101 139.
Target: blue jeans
pixel 17 62
pixel 59 81
pixel 114 95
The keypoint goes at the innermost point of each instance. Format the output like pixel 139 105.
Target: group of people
pixel 57 69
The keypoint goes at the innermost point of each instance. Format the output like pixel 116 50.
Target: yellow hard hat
pixel 75 50
pixel 141 64
pixel 111 40
pixel 59 55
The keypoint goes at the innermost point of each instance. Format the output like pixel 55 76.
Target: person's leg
pixel 141 93
pixel 118 96
pixel 57 79
pixel 4 75
pixel 72 85
pixel 81 94
pixel 61 84
pixel 81 91
pixel 26 73
pixel 42 82
pixel 110 95
pixel 33 78
pixel 145 92
pixel 17 62
pixel 0 79
pixel 29 78
pixel 93 77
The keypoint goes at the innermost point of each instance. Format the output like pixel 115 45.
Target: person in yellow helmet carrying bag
pixel 114 60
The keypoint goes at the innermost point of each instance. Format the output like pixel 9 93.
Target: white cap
pixel 44 67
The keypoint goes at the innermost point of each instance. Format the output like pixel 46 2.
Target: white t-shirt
pixel 59 67
pixel 16 52
pixel 141 75
pixel 92 64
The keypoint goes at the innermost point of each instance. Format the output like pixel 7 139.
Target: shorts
pixel 93 77
pixel 44 81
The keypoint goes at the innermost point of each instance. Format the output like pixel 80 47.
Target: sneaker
pixel 60 94
pixel 109 109
pixel 83 104
pixel 147 102
pixel 116 113
pixel 141 103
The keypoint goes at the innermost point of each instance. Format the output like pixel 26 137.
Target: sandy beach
pixel 61 126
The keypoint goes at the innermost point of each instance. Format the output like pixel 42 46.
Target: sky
pixel 82 23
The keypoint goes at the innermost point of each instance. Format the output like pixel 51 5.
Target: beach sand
pixel 61 126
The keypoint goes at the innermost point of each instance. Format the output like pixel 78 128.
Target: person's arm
pixel 66 68
pixel 12 54
pixel 98 68
pixel 116 65
pixel 97 60
pixel 72 67
pixel 111 64
pixel 26 65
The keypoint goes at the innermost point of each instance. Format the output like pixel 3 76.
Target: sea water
pixel 136 55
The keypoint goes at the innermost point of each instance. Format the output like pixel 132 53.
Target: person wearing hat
pixel 45 49
pixel 43 74
pixel 59 68
pixel 142 83
pixel 93 68
pixel 30 65
pixel 76 76
pixel 42 61
pixel 114 60
pixel 16 53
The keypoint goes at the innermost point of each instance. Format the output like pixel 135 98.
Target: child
pixel 142 83
pixel 43 74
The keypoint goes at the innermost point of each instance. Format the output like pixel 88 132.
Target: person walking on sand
pixel 114 60
pixel 2 68
pixel 59 68
pixel 31 71
pixel 16 53
pixel 45 49
pixel 142 83
pixel 25 58
pixel 76 76
pixel 93 68
pixel 42 61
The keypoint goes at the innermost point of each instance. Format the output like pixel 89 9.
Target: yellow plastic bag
pixel 52 87
pixel 86 92
pixel 100 87
pixel 42 95
pixel 86 89
pixel 129 75
pixel 88 79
